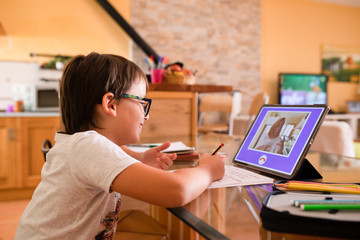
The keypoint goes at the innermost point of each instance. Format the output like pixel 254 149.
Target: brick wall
pixel 220 39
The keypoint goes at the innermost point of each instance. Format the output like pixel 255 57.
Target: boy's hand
pixel 214 163
pixel 155 158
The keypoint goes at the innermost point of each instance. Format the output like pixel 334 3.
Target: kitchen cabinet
pixel 21 159
pixel 32 133
pixel 8 176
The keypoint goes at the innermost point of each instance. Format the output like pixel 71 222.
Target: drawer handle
pixel 11 134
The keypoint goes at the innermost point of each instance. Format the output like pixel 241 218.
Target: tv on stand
pixel 302 88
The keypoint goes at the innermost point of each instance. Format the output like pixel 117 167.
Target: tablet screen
pixel 280 137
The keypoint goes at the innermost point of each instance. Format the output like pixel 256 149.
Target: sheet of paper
pixel 236 176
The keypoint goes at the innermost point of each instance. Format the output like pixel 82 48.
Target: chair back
pixel 259 100
pixel 236 109
pixel 335 137
pixel 214 112
pixel 45 147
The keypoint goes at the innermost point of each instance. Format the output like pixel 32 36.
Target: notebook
pixel 279 139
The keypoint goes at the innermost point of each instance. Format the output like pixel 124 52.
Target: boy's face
pixel 130 114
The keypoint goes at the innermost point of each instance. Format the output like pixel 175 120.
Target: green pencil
pixel 316 207
pixel 298 203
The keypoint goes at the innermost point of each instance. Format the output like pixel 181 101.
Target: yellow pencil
pixel 345 185
pixel 313 187
pixel 322 185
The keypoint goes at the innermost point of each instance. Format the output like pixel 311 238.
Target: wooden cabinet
pixel 21 159
pixel 32 133
pixel 8 176
pixel 173 115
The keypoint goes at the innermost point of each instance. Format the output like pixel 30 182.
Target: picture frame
pixel 353 106
pixel 341 63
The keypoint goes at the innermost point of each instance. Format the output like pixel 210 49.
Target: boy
pixel 103 108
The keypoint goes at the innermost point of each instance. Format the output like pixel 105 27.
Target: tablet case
pixel 278 215
pixel 307 171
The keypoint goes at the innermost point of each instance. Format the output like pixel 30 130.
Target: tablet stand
pixel 307 171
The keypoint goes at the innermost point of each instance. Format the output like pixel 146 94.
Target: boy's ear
pixel 109 103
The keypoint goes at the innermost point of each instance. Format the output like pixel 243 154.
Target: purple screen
pixel 278 137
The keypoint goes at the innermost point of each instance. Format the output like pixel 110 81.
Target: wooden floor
pixel 10 213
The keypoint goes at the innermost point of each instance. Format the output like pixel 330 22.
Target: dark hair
pixel 279 122
pixel 84 82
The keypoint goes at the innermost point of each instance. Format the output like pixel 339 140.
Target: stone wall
pixel 220 39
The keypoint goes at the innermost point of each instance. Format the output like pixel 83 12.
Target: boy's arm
pixel 132 153
pixel 168 189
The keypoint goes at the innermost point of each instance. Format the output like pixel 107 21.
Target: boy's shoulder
pixel 80 137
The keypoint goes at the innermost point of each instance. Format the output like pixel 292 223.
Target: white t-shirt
pixel 73 199
pixel 271 145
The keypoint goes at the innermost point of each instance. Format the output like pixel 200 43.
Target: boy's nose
pixel 147 117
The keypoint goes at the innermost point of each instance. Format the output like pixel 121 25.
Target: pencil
pixel 298 203
pixel 315 207
pixel 215 152
pixel 321 186
pixel 310 187
pixel 347 185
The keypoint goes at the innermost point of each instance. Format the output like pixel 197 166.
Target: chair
pixel 245 121
pixel 216 112
pixel 334 137
pixel 135 224
pixel 45 147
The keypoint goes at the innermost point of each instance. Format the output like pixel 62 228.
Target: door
pixel 33 131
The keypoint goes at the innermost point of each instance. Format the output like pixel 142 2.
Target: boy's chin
pixel 134 140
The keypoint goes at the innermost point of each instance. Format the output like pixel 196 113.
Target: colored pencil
pixel 349 185
pixel 316 207
pixel 298 203
pixel 319 188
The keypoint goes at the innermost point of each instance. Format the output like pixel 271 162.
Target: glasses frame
pixel 146 107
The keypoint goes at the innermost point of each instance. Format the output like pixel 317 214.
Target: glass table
pixel 233 212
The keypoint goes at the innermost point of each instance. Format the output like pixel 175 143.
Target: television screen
pixel 302 89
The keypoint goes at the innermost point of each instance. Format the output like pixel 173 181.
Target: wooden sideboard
pixel 172 115
pixel 174 111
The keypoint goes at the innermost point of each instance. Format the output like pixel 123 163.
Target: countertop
pixel 190 88
pixel 30 114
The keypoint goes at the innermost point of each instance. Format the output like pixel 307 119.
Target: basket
pixel 178 79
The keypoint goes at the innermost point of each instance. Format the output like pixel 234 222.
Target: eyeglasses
pixel 145 102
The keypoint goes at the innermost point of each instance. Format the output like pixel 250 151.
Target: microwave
pixel 45 97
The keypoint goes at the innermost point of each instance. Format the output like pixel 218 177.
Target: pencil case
pixel 278 215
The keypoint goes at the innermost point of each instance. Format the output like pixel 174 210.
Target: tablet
pixel 279 139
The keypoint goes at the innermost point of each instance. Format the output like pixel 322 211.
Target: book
pixel 189 157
